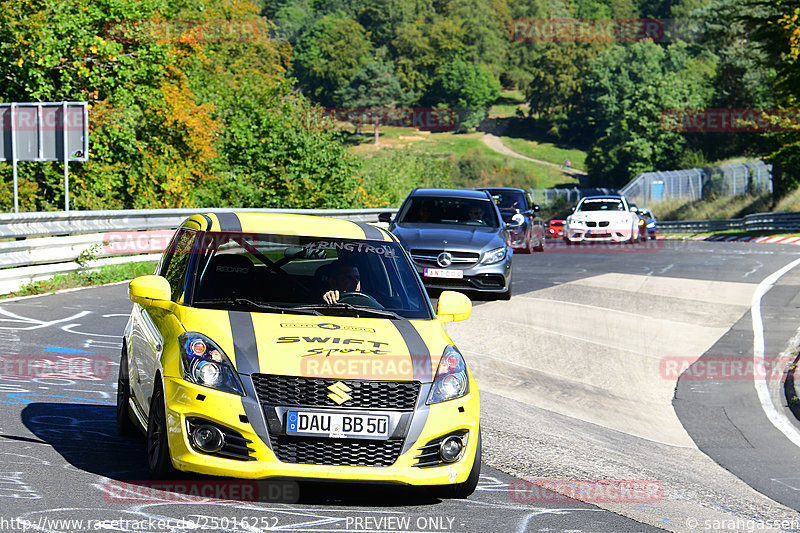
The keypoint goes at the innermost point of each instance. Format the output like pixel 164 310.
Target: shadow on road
pixel 85 436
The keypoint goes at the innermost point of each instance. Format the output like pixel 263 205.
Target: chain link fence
pixel 695 183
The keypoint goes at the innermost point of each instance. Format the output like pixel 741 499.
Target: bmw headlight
pixel 204 363
pixel 451 379
pixel 574 222
pixel 494 256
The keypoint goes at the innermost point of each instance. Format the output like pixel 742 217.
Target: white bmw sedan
pixel 602 219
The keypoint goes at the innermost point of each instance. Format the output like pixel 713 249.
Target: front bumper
pixel 484 278
pixel 227 410
pixel 607 234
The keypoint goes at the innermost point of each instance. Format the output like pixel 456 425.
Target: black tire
pixel 159 463
pixel 506 295
pixel 539 248
pixel 125 426
pixel 461 491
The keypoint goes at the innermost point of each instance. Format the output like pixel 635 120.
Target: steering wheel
pixel 359 298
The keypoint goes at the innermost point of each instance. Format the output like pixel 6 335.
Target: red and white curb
pixel 736 238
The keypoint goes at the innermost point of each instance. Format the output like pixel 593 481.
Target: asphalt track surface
pixel 61 460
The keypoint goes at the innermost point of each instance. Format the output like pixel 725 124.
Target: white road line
pixel 779 421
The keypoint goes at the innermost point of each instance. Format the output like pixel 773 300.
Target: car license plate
pixel 337 425
pixel 442 273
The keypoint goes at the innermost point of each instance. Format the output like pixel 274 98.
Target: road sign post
pixel 44 131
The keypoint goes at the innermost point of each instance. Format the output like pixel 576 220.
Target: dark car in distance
pixel 457 240
pixel 530 235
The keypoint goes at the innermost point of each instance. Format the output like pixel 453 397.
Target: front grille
pixel 235 444
pixel 341 452
pixel 426 256
pixel 292 391
pixel 591 224
pixel 604 224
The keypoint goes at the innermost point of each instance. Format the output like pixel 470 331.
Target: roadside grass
pixel 547 152
pixel 85 278
pixel 713 207
pixel 469 150
pixel 508 104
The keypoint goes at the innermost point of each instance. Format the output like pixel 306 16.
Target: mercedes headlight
pixel 204 363
pixel 494 256
pixel 451 379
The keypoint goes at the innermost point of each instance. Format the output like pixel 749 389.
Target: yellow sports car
pixel 278 345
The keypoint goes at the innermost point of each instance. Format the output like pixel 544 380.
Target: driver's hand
pixel 331 297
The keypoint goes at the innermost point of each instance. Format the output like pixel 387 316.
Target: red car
pixel 555 228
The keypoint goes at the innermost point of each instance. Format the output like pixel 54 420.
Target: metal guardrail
pixel 789 221
pixel 39 245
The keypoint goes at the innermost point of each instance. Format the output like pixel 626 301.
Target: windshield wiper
pixel 358 309
pixel 259 306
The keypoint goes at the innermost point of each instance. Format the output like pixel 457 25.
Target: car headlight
pixel 572 223
pixel 651 224
pixel 451 379
pixel 494 256
pixel 204 363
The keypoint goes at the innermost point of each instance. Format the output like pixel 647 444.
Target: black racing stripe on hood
pixel 229 222
pixel 420 354
pixel 370 232
pixel 244 342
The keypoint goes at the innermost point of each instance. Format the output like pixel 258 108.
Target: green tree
pixel 629 88
pixel 329 55
pixel 468 87
pixel 374 90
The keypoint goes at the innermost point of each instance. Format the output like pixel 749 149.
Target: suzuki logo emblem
pixel 339 393
pixel 444 259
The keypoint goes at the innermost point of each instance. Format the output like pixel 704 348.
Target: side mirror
pixel 536 208
pixel 453 306
pixel 572 210
pixel 151 290
pixel 385 217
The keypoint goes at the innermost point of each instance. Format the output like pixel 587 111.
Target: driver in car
pixel 344 278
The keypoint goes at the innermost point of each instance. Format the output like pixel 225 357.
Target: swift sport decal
pixel 350 346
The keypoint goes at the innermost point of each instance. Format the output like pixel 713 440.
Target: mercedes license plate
pixel 443 273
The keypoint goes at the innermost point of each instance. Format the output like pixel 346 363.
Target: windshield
pixel 509 199
pixel 601 204
pixel 289 273
pixel 462 211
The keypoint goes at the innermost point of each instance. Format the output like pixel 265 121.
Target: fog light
pixel 450 448
pixel 208 438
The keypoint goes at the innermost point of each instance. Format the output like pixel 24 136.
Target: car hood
pixel 464 237
pixel 324 346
